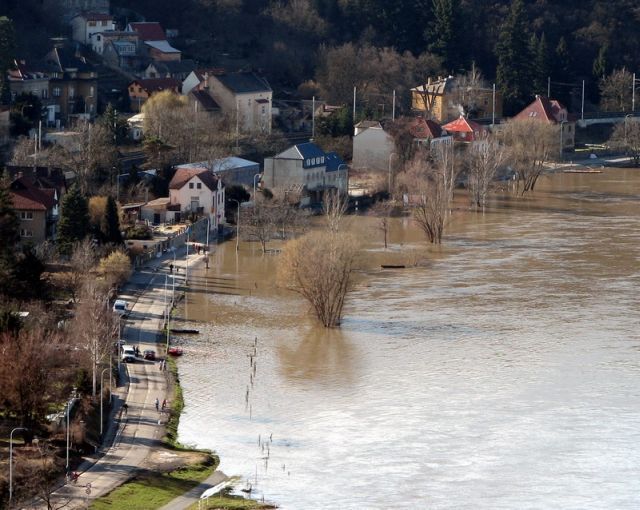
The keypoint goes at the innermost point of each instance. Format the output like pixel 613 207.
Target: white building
pixel 197 191
pixel 85 25
pixel 372 146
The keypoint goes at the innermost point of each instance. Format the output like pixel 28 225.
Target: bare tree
pixel 94 327
pixel 626 137
pixel 484 158
pixel 429 182
pixel 382 211
pixel 334 207
pixel 83 260
pixel 41 477
pixel 259 222
pixel 616 91
pixel 530 144
pixel 319 267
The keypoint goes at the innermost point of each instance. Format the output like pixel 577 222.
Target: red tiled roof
pixel 184 175
pixel 149 31
pixel 422 129
pixel 26 196
pixel 152 85
pixel 462 125
pixel 543 108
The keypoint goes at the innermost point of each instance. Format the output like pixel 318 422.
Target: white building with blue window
pixel 305 167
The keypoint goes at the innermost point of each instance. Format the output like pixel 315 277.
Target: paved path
pixel 142 428
pixel 191 497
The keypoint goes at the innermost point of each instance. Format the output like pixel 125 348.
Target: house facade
pixel 178 70
pixel 86 25
pixel 372 147
pixel 552 112
pixel 37 210
pixel 443 99
pixel 197 191
pixel 245 96
pixel 153 41
pixel 141 90
pixel 308 169
pixel 100 40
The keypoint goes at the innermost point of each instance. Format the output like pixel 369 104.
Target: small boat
pixel 186 331
pixel 392 266
pixel 175 351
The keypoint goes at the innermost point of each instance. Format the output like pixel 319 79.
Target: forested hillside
pixel 519 42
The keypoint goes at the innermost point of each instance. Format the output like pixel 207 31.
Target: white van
pixel 120 307
pixel 128 354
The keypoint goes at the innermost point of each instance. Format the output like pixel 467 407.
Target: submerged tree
pixel 530 144
pixel 319 266
pixel 626 137
pixel 484 158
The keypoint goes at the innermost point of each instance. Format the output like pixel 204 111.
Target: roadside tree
pixel 626 137
pixel 116 268
pixel 616 91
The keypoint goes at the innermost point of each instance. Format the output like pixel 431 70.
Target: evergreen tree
pixel 444 33
pixel 600 63
pixel 9 236
pixel 514 60
pixel 111 228
pixel 74 224
pixel 7 53
pixel 542 69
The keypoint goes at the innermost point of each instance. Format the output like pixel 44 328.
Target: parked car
pixel 120 307
pixel 128 354
pixel 149 354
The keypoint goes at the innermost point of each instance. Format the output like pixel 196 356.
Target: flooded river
pixel 505 374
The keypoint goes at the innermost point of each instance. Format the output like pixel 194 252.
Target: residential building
pixel 553 112
pixel 29 79
pixel 373 147
pixel 245 96
pixel 447 98
pixel 86 25
pixel 464 130
pixel 69 8
pixel 202 102
pixel 198 191
pixel 178 70
pixel 37 210
pixel 154 41
pixel 198 78
pixel 73 84
pixel 122 54
pixel 231 170
pixel 306 168
pixel 141 90
pixel 100 40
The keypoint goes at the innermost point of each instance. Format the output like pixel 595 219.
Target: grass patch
pixel 147 492
pixel 227 502
pixel 177 405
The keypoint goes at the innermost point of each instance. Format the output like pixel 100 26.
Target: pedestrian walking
pixel 157 405
pixel 125 408
pixel 164 404
pixel 170 268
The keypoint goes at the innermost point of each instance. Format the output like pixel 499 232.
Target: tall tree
pixel 9 236
pixel 540 70
pixel 616 91
pixel 514 59
pixel 7 53
pixel 445 33
pixel 74 224
pixel 111 227
pixel 600 63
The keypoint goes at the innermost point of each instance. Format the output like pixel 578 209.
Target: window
pixel 26 215
pixel 56 91
pixel 190 185
pixel 98 37
pixel 92 23
pixel 45 93
pixel 72 92
pixel 104 23
pixel 25 233
pixel 199 185
pixel 132 89
pixel 91 91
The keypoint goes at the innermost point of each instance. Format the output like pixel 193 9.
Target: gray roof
pixel 174 67
pixel 244 82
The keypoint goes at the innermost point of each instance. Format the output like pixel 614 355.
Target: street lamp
pixel 254 185
pixel 625 128
pixel 346 176
pixel 68 435
pixel 389 166
pixel 101 395
pixel 562 123
pixel 237 223
pixel 11 463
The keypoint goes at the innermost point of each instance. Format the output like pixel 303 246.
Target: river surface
pixel 503 373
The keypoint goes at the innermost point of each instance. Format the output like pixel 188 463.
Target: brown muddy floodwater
pixel 505 374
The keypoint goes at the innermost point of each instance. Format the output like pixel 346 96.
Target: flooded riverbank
pixel 502 375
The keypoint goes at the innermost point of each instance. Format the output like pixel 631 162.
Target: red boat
pixel 175 351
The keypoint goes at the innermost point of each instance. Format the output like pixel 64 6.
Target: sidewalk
pixel 193 496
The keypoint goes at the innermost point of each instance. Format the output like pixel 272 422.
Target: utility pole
pixel 493 106
pixel 582 111
pixel 354 105
pixel 313 118
pixel 633 94
pixel 393 110
pixel 548 86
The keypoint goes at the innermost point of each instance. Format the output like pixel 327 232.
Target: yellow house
pixel 445 99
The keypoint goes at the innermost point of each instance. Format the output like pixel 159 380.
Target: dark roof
pixel 174 67
pixel 152 85
pixel 42 176
pixel 309 150
pixel 149 31
pixel 26 196
pixel 204 99
pixel 65 58
pixel 423 129
pixel 184 175
pixel 244 82
pixel 333 161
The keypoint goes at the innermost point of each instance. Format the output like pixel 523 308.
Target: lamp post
pixel 237 224
pixel 562 123
pixel 346 176
pixel 101 396
pixel 11 463
pixel 254 185
pixel 625 127
pixel 68 435
pixel 389 184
